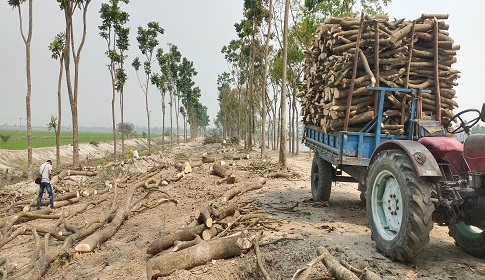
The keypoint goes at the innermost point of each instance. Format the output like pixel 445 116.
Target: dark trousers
pixel 44 185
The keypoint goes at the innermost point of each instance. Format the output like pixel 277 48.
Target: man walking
pixel 46 171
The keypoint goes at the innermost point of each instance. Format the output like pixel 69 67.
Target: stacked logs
pixel 405 54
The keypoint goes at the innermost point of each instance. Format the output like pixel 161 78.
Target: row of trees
pixel 175 77
pixel 266 68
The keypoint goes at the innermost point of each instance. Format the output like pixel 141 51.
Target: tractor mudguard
pixel 423 161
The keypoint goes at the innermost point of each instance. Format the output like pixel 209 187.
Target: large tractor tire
pixel 321 178
pixel 469 238
pixel 399 207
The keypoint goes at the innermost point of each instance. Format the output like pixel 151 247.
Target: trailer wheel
pixel 321 178
pixel 469 238
pixel 399 207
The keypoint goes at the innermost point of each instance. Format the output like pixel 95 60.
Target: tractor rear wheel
pixel 399 207
pixel 469 238
pixel 321 178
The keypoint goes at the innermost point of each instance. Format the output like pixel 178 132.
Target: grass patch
pixel 18 139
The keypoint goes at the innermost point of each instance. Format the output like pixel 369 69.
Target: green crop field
pixel 18 139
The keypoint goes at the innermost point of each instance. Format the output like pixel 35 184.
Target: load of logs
pixel 349 54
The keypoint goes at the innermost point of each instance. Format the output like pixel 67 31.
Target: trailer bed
pixel 348 148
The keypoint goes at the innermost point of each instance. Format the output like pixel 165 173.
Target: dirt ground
pixel 298 223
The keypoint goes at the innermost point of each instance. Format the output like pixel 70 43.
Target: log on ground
pixel 165 242
pixel 199 254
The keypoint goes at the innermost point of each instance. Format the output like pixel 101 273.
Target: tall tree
pixel 147 42
pixel 237 55
pixel 15 4
pixel 202 118
pixel 123 43
pixel 188 95
pixel 282 154
pixel 254 12
pixel 194 115
pixel 112 30
pixel 224 91
pixel 56 47
pixel 264 93
pixel 160 81
pixel 69 7
pixel 174 57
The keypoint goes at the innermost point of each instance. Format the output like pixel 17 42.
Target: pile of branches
pixel 213 234
pixel 349 54
pixel 80 229
pixel 118 199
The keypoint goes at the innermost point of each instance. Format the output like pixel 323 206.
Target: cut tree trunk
pixel 95 239
pixel 199 254
pixel 165 242
pixel 220 170
pixel 333 265
pixel 65 173
pixel 242 188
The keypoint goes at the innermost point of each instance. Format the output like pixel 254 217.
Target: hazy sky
pixel 199 29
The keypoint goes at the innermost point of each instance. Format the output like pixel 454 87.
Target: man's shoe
pixel 38 207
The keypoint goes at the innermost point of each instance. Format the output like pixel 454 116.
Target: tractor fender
pixel 424 162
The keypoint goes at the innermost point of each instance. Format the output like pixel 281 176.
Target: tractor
pixel 411 181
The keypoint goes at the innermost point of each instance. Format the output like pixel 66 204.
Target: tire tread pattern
pixel 325 174
pixel 472 246
pixel 418 222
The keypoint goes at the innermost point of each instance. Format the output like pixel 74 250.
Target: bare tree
pixel 69 7
pixel 116 37
pixel 147 41
pixel 56 47
pixel 15 4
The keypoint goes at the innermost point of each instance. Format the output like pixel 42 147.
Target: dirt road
pixel 299 224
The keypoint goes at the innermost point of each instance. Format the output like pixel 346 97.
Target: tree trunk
pixel 171 119
pixel 95 239
pixel 219 170
pixel 282 154
pixel 250 96
pixel 177 107
pixel 113 118
pixel 163 120
pixel 29 91
pixel 239 127
pixel 27 42
pixel 67 56
pixel 165 242
pixel 122 101
pixel 75 124
pixel 243 187
pixel 199 254
pixel 334 266
pixel 148 114
pixel 185 128
pixel 59 112
pixel 294 118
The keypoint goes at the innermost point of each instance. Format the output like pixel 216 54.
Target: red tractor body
pixel 474 152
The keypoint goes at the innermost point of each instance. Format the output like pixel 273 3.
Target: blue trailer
pixel 351 152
